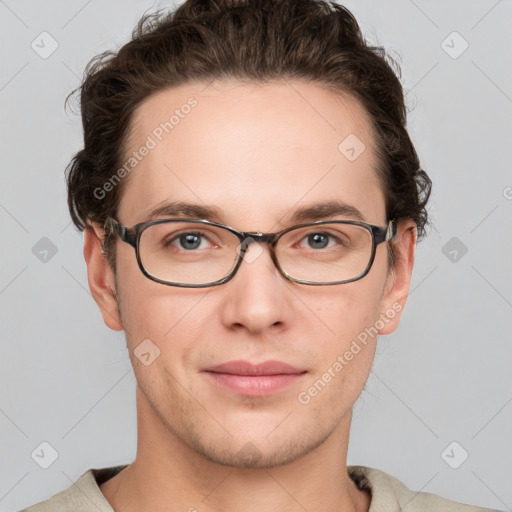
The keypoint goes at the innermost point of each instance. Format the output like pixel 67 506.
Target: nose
pixel 257 298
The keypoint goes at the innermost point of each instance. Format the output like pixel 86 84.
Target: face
pixel 256 154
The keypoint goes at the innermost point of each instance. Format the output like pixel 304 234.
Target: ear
pixel 101 277
pixel 398 281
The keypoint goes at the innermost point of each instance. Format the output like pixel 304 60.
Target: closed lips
pixel 251 369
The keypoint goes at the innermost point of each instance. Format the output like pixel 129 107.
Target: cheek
pixel 167 322
pixel 344 358
pixel 350 308
pixel 148 309
pixel 350 314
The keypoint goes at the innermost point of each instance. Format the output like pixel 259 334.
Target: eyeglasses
pixel 197 253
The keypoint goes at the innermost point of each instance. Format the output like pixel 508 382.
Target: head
pixel 252 111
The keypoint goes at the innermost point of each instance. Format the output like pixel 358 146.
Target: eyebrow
pixel 184 209
pixel 311 213
pixel 326 210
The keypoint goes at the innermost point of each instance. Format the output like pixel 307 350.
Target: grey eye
pixel 190 241
pixel 318 240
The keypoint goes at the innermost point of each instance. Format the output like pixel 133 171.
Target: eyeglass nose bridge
pixel 250 237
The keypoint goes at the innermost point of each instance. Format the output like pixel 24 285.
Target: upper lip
pixel 248 368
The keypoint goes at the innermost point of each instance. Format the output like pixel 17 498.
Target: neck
pixel 167 474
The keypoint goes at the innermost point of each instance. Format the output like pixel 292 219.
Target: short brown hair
pixel 251 40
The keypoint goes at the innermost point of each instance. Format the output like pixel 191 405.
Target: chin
pixel 258 452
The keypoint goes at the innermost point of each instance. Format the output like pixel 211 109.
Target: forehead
pixel 255 151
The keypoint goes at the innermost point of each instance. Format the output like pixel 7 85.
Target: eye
pixel 318 240
pixel 189 241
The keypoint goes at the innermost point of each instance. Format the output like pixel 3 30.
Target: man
pixel 251 203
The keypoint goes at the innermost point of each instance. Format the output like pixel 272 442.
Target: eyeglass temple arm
pixel 113 226
pixel 391 231
pixel 386 234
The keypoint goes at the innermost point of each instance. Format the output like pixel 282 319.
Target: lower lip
pixel 255 385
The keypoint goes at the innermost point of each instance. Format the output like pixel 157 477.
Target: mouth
pixel 249 379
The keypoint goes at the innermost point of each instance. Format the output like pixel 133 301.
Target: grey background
pixel 444 376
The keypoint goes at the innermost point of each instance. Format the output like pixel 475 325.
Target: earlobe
pixel 398 282
pixel 101 277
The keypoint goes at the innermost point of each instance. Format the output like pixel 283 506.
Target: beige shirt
pixel 388 494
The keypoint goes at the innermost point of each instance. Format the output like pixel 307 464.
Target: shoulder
pixel 84 495
pixel 390 495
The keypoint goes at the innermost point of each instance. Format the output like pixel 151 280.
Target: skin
pixel 258 152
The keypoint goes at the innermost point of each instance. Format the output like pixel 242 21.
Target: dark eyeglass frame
pixel 132 237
